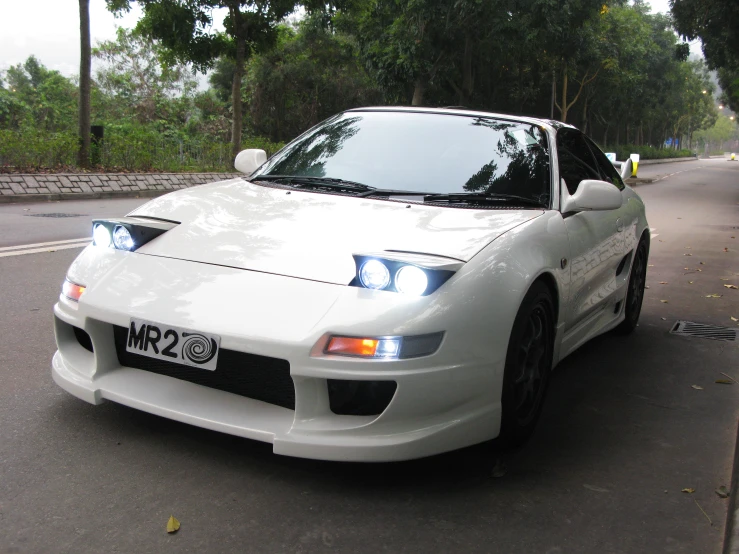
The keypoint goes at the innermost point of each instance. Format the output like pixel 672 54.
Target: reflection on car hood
pixel 311 235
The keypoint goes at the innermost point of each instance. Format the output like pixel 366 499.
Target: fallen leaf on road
pixel 690 282
pixel 722 492
pixel 723 382
pixel 731 287
pixel 714 295
pixel 688 248
pixel 697 387
pixel 701 263
pixel 172 525
pixel 733 318
pixel 689 491
pixel 687 254
pixel 664 301
pixel 726 249
pixel 665 282
pixel 651 265
pixel 724 278
pixel 646 287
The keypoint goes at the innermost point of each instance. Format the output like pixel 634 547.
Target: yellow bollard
pixel 634 164
pixel 733 156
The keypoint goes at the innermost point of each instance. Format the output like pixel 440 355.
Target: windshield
pixel 434 153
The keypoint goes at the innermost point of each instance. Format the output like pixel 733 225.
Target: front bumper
pixel 442 402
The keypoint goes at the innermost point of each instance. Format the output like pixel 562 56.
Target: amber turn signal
pixel 71 290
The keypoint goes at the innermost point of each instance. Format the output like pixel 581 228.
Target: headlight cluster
pixel 397 276
pixel 127 233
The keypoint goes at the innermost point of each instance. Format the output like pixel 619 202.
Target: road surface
pixel 623 432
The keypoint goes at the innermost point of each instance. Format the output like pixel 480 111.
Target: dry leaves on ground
pixel 723 382
pixel 722 492
pixel 688 490
pixel 697 387
pixel 731 287
pixel 173 525
pixel 664 301
pixel 714 295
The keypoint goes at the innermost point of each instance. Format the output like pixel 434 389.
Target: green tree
pixel 184 29
pixel 136 81
pixel 311 74
pixel 715 22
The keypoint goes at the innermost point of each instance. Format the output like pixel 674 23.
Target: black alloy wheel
pixel 528 365
pixel 635 292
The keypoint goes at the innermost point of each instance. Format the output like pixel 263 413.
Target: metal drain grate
pixel 55 215
pixel 690 329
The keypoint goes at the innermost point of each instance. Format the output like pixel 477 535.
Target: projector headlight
pixel 374 274
pixel 413 275
pixel 101 235
pixel 128 233
pixel 122 238
pixel 411 280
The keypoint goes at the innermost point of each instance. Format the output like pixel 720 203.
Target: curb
pixel 669 160
pixel 20 198
pixel 731 530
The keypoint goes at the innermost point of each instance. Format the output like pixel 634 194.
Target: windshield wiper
pixel 310 181
pixel 473 197
pixel 394 192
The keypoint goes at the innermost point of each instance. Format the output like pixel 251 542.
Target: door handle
pixel 619 225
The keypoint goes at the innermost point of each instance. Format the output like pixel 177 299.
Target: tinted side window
pixel 607 170
pixel 576 162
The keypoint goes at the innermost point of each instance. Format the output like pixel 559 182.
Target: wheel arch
pixel 551 283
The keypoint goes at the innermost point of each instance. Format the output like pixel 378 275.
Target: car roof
pixel 553 124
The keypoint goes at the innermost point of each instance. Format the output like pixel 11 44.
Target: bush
pixel 647 152
pixel 125 147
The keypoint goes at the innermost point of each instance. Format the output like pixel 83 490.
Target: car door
pixel 596 246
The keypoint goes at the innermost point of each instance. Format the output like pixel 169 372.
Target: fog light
pixel 101 235
pixel 122 238
pixel 71 290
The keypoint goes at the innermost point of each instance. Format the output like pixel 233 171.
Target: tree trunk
pixel 418 91
pixel 467 78
pixel 563 108
pixel 83 154
pixel 239 33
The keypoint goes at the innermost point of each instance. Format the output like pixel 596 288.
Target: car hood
pixel 311 235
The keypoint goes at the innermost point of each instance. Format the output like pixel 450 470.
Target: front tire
pixel 528 365
pixel 635 293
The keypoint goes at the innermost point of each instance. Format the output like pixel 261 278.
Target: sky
pixel 49 29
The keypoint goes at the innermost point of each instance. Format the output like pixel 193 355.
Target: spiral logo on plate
pixel 198 348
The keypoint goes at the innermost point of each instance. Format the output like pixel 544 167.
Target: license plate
pixel 173 344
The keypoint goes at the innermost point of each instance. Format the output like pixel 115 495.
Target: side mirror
pixel 249 160
pixel 591 195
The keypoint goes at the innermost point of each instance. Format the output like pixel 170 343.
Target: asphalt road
pixel 623 431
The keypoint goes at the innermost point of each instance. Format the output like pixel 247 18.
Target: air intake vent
pixel 690 329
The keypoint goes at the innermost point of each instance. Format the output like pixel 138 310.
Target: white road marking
pixel 42 244
pixel 678 172
pixel 52 248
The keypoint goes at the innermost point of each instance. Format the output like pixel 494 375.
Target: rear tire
pixel 528 365
pixel 635 293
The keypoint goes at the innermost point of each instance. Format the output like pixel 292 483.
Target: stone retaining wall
pixel 91 183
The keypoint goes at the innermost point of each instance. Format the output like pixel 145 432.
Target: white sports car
pixel 392 284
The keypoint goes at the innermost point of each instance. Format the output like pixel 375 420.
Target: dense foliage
pixel 613 69
pixel 716 23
